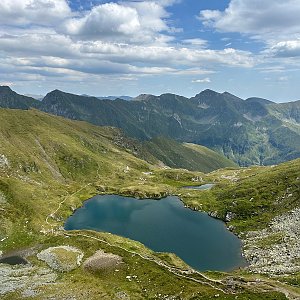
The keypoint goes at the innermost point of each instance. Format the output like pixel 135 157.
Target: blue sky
pixel 128 47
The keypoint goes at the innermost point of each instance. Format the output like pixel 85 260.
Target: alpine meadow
pixel 149 149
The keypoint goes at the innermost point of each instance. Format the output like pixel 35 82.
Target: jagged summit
pixel 11 99
pixel 54 92
pixel 207 93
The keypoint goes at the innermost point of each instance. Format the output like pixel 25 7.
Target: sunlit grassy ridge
pixel 187 156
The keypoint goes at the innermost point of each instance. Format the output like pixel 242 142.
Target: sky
pixel 128 47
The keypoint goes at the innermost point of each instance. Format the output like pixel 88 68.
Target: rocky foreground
pixel 276 249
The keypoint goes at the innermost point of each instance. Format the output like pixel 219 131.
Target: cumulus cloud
pixel 33 12
pixel 285 49
pixel 42 39
pixel 134 22
pixel 256 17
pixel 107 20
pixel 268 21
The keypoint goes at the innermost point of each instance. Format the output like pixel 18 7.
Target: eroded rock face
pixel 275 250
pixel 62 258
pixel 102 261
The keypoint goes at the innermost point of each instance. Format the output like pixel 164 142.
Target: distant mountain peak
pixel 5 89
pixel 228 94
pixel 56 91
pixel 11 99
pixel 231 96
pixel 207 95
pixel 209 92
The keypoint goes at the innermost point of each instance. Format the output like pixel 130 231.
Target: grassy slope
pixel 186 156
pixel 52 160
pixel 255 195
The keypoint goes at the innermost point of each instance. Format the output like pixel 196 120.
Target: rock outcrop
pixel 102 261
pixel 61 258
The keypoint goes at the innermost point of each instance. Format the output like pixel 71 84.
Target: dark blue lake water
pixel 164 226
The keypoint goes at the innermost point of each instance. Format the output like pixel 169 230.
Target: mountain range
pixel 254 131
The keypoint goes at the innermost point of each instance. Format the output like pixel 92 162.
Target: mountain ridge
pixel 247 131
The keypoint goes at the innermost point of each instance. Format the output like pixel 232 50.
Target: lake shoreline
pixel 160 245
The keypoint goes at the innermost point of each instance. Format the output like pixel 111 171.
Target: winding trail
pixel 62 202
pixel 213 283
pixel 173 270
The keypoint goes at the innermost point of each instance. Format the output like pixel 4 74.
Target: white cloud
pixel 33 12
pixel 37 44
pixel 43 39
pixel 59 50
pixel 273 19
pixel 133 22
pixel 285 49
pixel 177 56
pixel 163 3
pixel 204 80
pixel 105 20
pixel 196 42
pixel 270 22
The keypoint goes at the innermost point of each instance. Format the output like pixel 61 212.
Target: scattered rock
pixel 122 296
pixel 61 258
pixel 229 216
pixel 3 161
pixel 2 198
pixel 275 250
pixel 102 261
pixel 26 279
pixel 213 214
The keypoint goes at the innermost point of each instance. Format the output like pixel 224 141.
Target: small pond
pixel 165 226
pixel 13 260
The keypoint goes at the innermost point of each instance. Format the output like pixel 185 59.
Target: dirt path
pixel 263 285
pixel 175 271
pixel 62 202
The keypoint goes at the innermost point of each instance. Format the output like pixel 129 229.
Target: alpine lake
pixel 163 225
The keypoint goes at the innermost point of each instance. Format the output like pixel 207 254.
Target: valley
pixel 50 165
pixel 149 150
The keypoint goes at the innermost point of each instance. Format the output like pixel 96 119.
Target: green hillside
pixel 187 156
pixel 50 165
